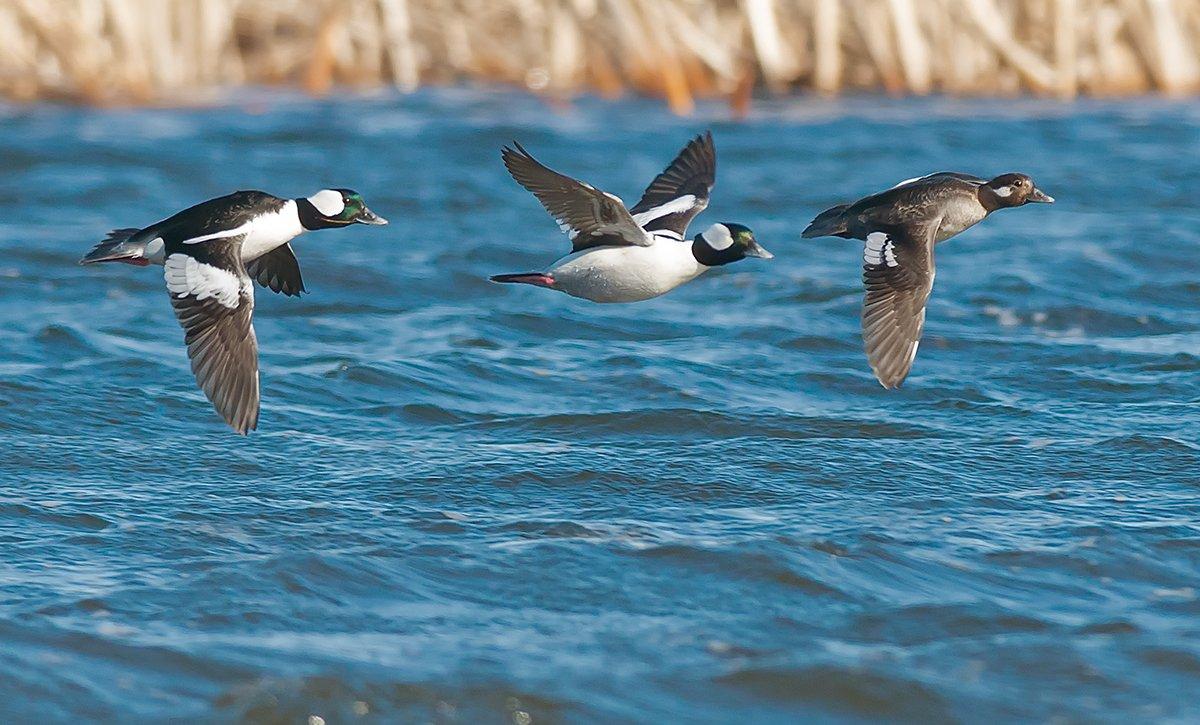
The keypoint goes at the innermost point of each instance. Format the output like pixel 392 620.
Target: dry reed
pixel 173 51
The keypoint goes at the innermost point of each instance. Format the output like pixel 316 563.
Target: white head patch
pixel 1004 191
pixel 718 237
pixel 328 202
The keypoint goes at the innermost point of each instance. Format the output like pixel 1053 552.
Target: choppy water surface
pixel 469 502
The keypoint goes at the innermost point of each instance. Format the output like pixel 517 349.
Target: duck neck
pixel 989 200
pixel 311 219
pixel 709 257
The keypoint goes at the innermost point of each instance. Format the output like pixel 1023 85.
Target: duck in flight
pixel 211 254
pixel 900 227
pixel 621 254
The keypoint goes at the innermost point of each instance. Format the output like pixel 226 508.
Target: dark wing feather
pixel 278 270
pixel 591 218
pixel 120 235
pixel 898 274
pixel 213 299
pixel 664 205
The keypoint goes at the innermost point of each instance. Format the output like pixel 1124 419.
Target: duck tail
pixel 537 279
pixel 119 246
pixel 829 223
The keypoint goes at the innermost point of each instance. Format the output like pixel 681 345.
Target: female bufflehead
pixel 628 255
pixel 210 254
pixel 901 226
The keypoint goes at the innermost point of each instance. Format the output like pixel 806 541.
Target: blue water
pixel 478 503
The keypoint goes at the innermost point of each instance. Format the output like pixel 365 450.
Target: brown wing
pixel 898 274
pixel 214 305
pixel 278 270
pixel 681 191
pixel 590 217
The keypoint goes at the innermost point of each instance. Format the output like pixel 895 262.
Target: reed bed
pixel 180 51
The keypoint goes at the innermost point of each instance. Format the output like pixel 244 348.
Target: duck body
pixel 625 274
pixel 952 198
pixel 265 223
pixel 211 254
pixel 269 221
pixel 900 227
pixel 621 254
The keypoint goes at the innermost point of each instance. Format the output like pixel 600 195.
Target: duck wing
pixel 681 191
pixel 898 274
pixel 934 178
pixel 590 217
pixel 278 270
pixel 213 299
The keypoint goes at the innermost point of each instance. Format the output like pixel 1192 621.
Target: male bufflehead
pixel 210 253
pixel 628 255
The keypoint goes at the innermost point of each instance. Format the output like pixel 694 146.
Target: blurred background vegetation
pixel 184 51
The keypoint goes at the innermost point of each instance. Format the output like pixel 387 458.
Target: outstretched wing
pixel 213 299
pixel 681 191
pixel 898 273
pixel 590 217
pixel 278 270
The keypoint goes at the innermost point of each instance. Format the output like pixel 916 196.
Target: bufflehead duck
pixel 270 223
pixel 211 252
pixel 900 227
pixel 628 255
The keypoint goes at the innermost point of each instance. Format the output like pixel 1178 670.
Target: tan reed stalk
pixel 136 51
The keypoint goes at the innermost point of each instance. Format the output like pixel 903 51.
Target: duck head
pixel 330 208
pixel 726 242
pixel 1012 190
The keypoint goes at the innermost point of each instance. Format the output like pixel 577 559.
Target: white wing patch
pixel 188 278
pixel 909 181
pixel 682 204
pixel 880 250
pixel 570 231
pixel 223 234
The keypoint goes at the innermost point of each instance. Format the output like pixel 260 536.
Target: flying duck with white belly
pixel 621 254
pixel 212 253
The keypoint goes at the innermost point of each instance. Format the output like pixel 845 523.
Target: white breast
pixel 626 274
pixel 270 231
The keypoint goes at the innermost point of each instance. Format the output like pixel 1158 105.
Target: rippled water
pixel 469 502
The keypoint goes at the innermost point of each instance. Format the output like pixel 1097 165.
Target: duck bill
pixel 366 216
pixel 754 249
pixel 1040 197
